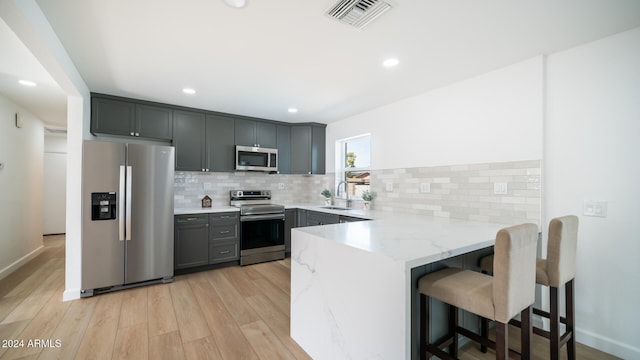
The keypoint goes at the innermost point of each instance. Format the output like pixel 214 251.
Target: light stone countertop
pixel 352 291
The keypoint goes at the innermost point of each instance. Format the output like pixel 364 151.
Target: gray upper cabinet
pixel 189 139
pixel 203 143
pixel 113 116
pixel 308 144
pixel 154 122
pixel 255 133
pixel 220 149
pixel 284 149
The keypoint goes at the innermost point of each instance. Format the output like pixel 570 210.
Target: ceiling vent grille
pixel 358 13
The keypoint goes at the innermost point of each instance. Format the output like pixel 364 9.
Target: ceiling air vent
pixel 358 13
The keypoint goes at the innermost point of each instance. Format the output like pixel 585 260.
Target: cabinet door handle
pixel 224 232
pixel 132 134
pixel 137 134
pixel 192 219
pixel 224 252
pixel 206 225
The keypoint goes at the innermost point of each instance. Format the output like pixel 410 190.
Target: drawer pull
pixel 192 219
pixel 224 252
pixel 224 232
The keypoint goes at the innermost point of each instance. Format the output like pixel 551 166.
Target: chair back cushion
pixel 561 250
pixel 514 270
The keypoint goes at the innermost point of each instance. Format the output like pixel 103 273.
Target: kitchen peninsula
pixel 353 284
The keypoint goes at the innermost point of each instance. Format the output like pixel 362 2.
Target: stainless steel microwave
pixel 249 158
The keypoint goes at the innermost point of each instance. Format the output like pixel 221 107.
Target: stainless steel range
pixel 261 226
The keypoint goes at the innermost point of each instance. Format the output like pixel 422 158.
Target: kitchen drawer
pixel 224 218
pixel 221 252
pixel 315 218
pixel 224 232
pixel 192 219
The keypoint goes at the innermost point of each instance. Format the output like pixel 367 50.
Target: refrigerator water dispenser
pixel 103 206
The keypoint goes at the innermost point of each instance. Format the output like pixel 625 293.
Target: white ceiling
pixel 272 55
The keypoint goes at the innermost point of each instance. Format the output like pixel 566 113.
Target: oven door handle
pixel 244 218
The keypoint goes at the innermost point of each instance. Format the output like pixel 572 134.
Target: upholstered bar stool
pixel 558 269
pixel 509 292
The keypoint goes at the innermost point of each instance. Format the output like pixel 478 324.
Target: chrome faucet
pixel 348 204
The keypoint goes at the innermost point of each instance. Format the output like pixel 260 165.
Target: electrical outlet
pixel 207 186
pixel 389 186
pixel 595 208
pixel 425 187
pixel 281 186
pixel 500 188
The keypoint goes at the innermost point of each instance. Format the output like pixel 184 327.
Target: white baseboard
pixel 71 294
pixel 18 263
pixel 607 345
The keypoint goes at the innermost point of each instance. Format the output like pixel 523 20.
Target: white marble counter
pixel 351 283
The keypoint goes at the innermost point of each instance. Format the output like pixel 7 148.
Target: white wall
pixel 592 151
pixel 27 21
pixel 55 184
pixel 494 117
pixel 21 180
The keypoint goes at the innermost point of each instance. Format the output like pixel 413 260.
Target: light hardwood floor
pixel 230 313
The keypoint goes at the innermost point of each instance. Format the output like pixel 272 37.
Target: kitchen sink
pixel 335 208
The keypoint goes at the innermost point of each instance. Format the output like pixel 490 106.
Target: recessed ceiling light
pixel 188 91
pixel 27 83
pixel 236 3
pixel 391 62
pixel 293 110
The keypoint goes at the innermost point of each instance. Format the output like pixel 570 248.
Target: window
pixel 353 166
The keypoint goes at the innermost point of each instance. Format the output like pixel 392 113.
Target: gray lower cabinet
pixel 290 222
pixel 191 241
pixel 115 116
pixel 224 239
pixel 204 239
pixel 315 218
pixel 308 143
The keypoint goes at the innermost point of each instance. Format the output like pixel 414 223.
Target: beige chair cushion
pixel 541 272
pixel 514 270
pixel 465 289
pixel 501 297
pixel 561 250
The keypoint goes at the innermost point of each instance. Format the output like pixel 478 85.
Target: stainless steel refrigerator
pixel 127 215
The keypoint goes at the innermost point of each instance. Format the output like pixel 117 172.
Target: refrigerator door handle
pixel 128 210
pixel 121 203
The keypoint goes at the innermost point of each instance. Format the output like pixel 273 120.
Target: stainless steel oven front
pixel 261 238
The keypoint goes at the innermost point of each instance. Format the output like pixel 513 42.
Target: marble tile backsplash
pixel 191 187
pixel 456 191
pixel 463 191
